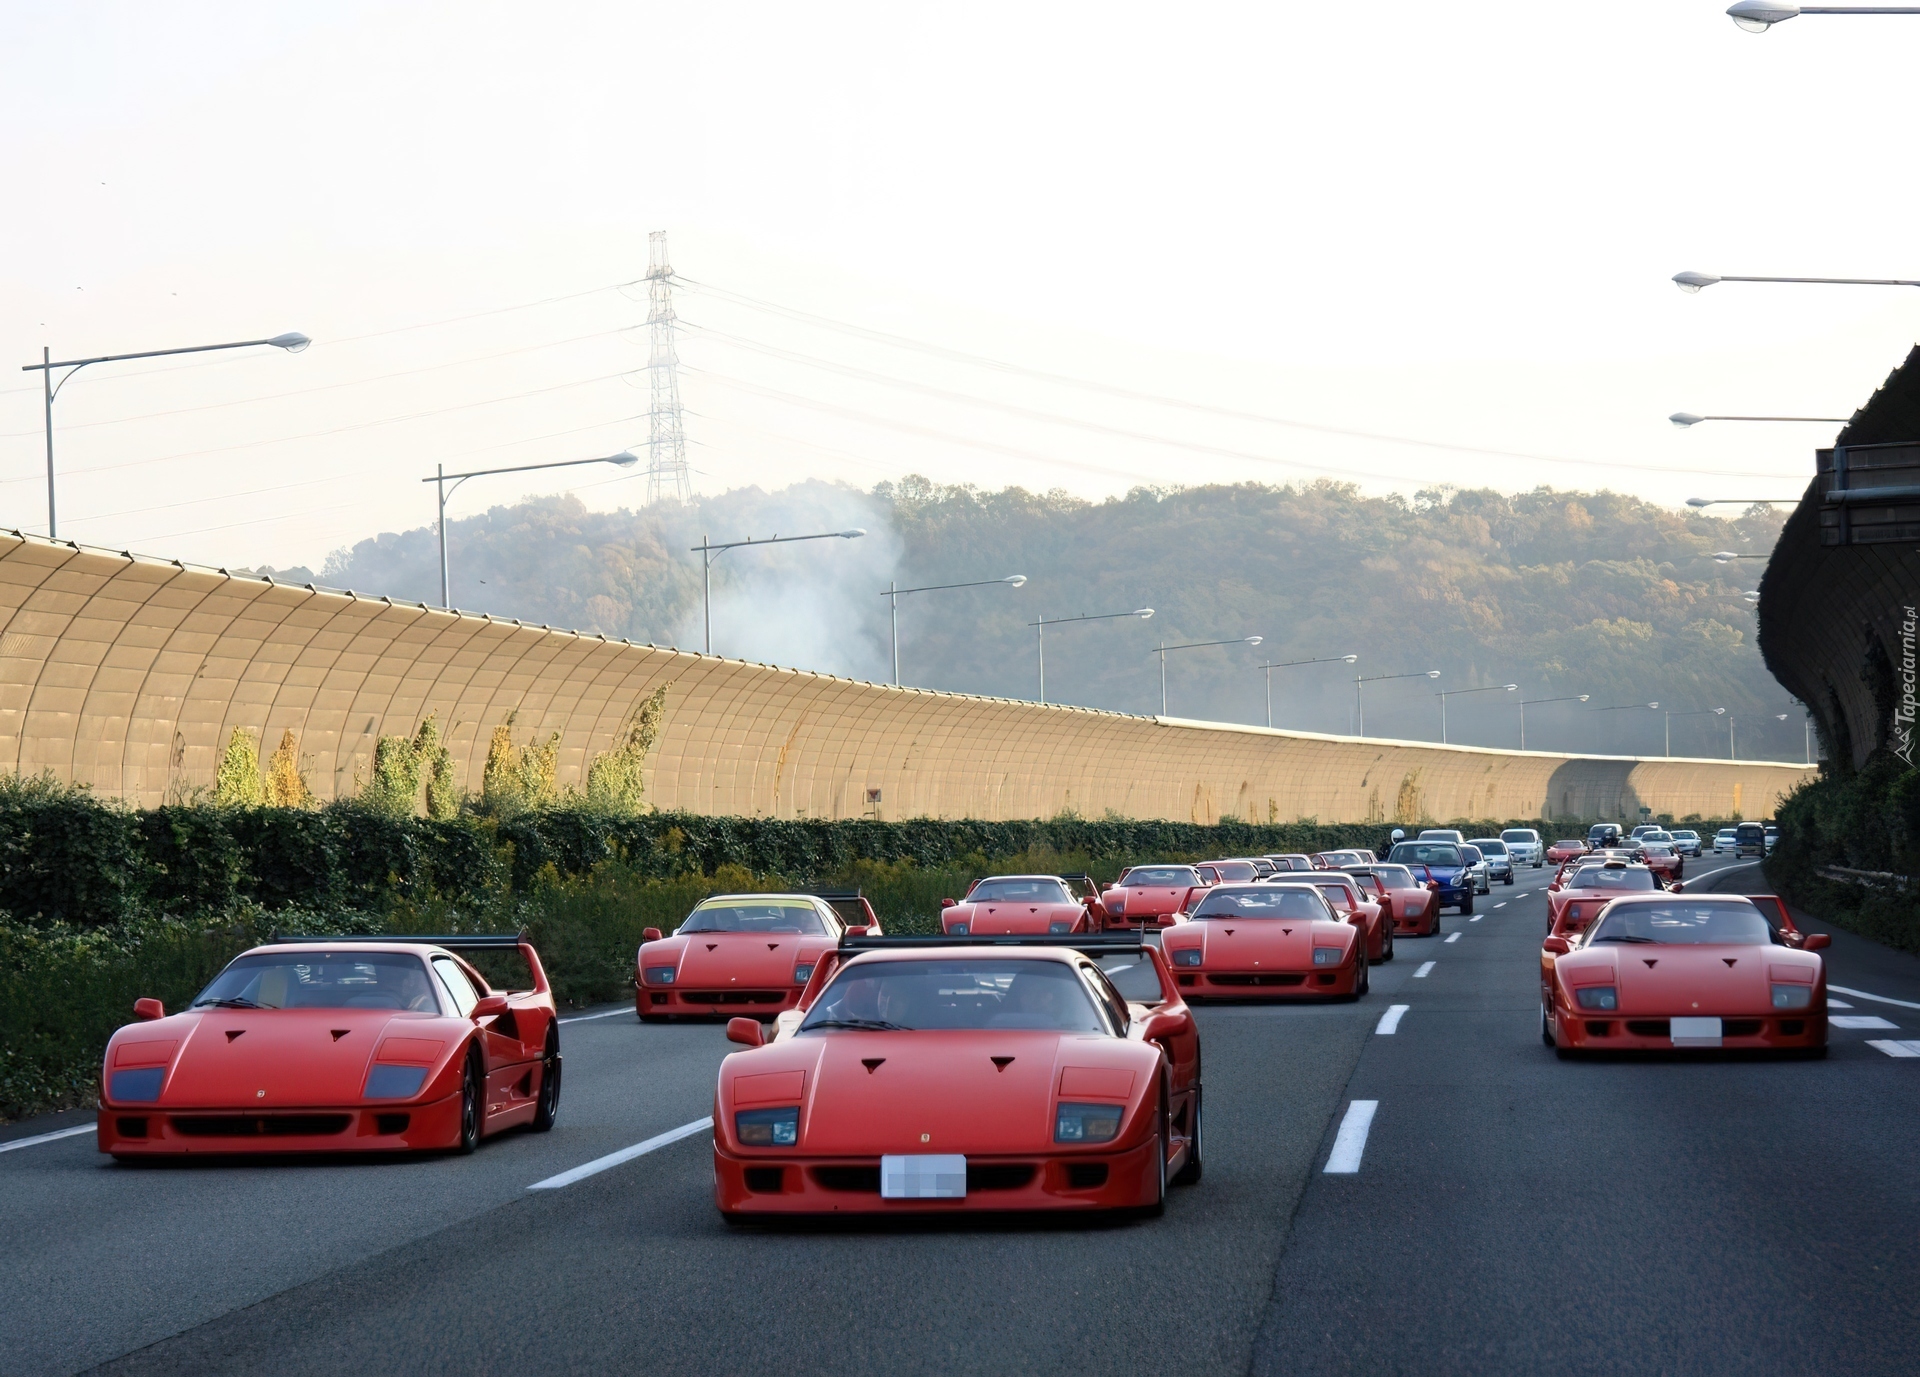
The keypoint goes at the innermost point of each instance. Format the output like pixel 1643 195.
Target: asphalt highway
pixel 1499 1211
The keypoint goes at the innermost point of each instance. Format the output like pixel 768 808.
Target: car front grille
pixel 259 1125
pixel 1245 980
pixel 733 996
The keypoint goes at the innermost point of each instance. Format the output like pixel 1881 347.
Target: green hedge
pixel 1867 820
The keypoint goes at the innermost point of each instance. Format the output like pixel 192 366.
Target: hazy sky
pixel 1446 222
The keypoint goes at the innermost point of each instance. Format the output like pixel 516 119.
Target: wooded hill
pixel 1560 592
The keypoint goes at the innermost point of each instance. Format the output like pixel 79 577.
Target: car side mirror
pixel 489 1007
pixel 948 903
pixel 146 1010
pixel 747 1032
pixel 1815 941
pixel 650 935
pixel 1559 946
pixel 1675 886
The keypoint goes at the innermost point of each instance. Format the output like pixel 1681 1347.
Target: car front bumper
pixel 152 1130
pixel 656 1001
pixel 1635 1033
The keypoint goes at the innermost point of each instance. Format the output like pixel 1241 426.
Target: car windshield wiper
pixel 870 1024
pixel 1611 938
pixel 235 1002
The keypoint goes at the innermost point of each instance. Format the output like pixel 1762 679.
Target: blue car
pixel 1445 864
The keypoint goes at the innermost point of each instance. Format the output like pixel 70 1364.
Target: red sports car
pixel 1149 894
pixel 1274 940
pixel 1346 895
pixel 1586 888
pixel 336 1044
pixel 1664 860
pixel 1563 851
pixel 1654 972
pixel 739 953
pixel 1412 898
pixel 931 1075
pixel 1019 906
pixel 1292 861
pixel 1336 860
pixel 1228 872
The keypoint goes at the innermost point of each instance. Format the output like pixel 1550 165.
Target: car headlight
pixel 1792 996
pixel 1597 997
pixel 395 1082
pixel 136 1087
pixel 768 1127
pixel 1187 956
pixel 1087 1123
pixel 660 975
pixel 1056 927
pixel 802 974
pixel 1327 956
pixel 958 930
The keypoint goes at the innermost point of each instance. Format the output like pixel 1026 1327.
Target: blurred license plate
pixel 1694 1032
pixel 924 1176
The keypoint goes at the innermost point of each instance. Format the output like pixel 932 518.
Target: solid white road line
pixel 1452 937
pixel 586 1018
pixel 1351 1141
pixel 1833 1003
pixel 1389 1022
pixel 1860 1021
pixel 1895 1049
pixel 1501 904
pixel 627 1154
pixel 1877 999
pixel 47 1137
pixel 1421 974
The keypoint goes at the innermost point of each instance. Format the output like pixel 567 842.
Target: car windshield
pixel 1426 853
pixel 1518 834
pixel 1623 880
pixel 1491 848
pixel 1686 836
pixel 756 915
pixel 1340 857
pixel 1654 848
pixel 1570 841
pixel 980 992
pixel 1298 903
pixel 1234 872
pixel 1040 890
pixel 323 980
pixel 1335 894
pixel 1163 875
pixel 1728 921
pixel 1724 832
pixel 1292 862
pixel 1396 877
pixel 1132 974
pixel 1649 837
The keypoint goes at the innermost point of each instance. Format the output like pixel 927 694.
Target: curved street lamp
pixel 1289 664
pixel 293 342
pixel 441 479
pixel 1683 419
pixel 1444 694
pixel 1757 16
pixel 708 551
pixel 1693 282
pixel 1141 612
pixel 1739 501
pixel 1359 704
pixel 1192 645
pixel 1526 703
pixel 893 596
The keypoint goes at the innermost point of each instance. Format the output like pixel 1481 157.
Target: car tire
pixel 473 1103
pixel 1509 879
pixel 1190 1172
pixel 1546 1027
pixel 547 1107
pixel 1386 946
pixel 1156 1207
pixel 1466 905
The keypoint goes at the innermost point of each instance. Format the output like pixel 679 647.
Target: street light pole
pixel 1443 694
pixel 1525 702
pixel 707 551
pixel 441 478
pixel 1359 703
pixel 1627 707
pixel 894 594
pixel 1683 419
pixel 1289 664
pixel 1671 714
pixel 1757 16
pixel 292 342
pixel 1192 645
pixel 1141 612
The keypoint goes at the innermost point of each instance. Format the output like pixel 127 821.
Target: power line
pixel 1157 399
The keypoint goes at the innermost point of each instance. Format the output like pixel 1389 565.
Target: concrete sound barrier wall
pixel 129 675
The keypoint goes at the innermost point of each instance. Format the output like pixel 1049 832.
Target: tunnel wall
pixel 128 675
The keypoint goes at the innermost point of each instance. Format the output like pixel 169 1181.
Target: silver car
pixel 1477 867
pixel 1499 860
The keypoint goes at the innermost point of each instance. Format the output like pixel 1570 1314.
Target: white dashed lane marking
pixel 1895 1049
pixel 1453 937
pixel 586 1018
pixel 1476 918
pixel 1421 974
pixel 1351 1141
pixel 1501 904
pixel 1390 1021
pixel 626 1154
pixel 1838 1003
pixel 1860 1021
pixel 47 1137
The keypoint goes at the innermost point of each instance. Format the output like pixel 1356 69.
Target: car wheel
pixel 1546 1027
pixel 1466 905
pixel 1190 1173
pixel 1156 1207
pixel 1386 947
pixel 473 1103
pixel 547 1108
pixel 1509 877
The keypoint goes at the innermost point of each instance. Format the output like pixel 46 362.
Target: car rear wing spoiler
pixel 1087 944
pixel 456 941
pixel 831 894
